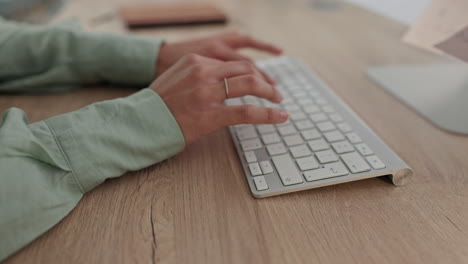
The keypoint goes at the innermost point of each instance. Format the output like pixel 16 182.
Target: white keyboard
pixel 323 143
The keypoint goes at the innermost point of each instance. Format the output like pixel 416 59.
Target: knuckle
pixel 270 115
pixel 247 112
pixel 252 81
pixel 191 58
pixel 249 66
pixel 197 71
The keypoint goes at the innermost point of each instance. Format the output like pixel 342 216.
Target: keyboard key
pixel 292 107
pixel 304 124
pixel 318 144
pixel 333 136
pixel 299 94
pixel 336 118
pixel 344 127
pixel 305 101
pixel 328 109
pixel 275 149
pixel 321 101
pixel 271 138
pixel 353 138
pixel 286 169
pixel 287 130
pixel 285 123
pixel 311 134
pixel 310 109
pixel 342 147
pixel 251 144
pixel 307 163
pixel 300 151
pixel 250 156
pixel 298 115
pixel 293 140
pixel 318 117
pixel 355 162
pixel 233 101
pixel 375 162
pixel 251 100
pixel 263 129
pixel 260 183
pixel 246 133
pixel 326 126
pixel 255 169
pixel 364 149
pixel 326 156
pixel 328 171
pixel 266 167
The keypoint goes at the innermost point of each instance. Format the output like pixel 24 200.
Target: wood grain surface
pixel 196 206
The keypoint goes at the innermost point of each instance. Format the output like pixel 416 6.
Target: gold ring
pixel 226 87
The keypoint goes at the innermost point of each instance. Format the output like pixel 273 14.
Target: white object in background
pixel 404 11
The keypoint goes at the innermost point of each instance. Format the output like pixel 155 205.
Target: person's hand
pixel 193 90
pixel 221 47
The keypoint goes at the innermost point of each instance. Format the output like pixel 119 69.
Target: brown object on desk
pixel 196 207
pixel 147 15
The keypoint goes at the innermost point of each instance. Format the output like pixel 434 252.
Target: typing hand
pixel 221 47
pixel 194 91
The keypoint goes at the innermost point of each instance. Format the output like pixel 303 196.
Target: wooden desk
pixel 196 207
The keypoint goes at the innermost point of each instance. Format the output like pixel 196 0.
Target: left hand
pixel 222 46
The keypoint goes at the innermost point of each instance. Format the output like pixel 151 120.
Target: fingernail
pixel 283 114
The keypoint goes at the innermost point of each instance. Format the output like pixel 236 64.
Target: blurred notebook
pixel 154 15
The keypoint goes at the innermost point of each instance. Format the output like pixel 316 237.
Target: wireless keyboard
pixel 323 143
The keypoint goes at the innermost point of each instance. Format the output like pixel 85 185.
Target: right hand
pixel 193 90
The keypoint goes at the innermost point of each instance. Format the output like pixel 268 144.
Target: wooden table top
pixel 196 206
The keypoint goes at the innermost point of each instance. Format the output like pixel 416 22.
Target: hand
pixel 221 47
pixel 193 90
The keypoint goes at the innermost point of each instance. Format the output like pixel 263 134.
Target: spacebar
pixel 287 170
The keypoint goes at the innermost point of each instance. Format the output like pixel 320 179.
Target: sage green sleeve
pixel 57 58
pixel 46 167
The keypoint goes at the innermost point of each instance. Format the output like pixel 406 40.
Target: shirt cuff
pixel 107 139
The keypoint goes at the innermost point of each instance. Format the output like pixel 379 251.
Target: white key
pixel 328 171
pixel 287 122
pixel 251 100
pixel 311 134
pixel 321 101
pixel 333 136
pixel 298 115
pixel 251 144
pixel 336 118
pixel 266 167
pixel 263 129
pixel 260 183
pixel 255 169
pixel 342 147
pixel 293 140
pixel 318 144
pixel 250 156
pixel 300 94
pixel 286 100
pixel 246 133
pixel 314 93
pixel 271 138
pixel 300 151
pixel 353 138
pixel 328 109
pixel 344 127
pixel 291 107
pixel 287 130
pixel 326 156
pixel 318 117
pixel 305 101
pixel 364 149
pixel 304 124
pixel 375 162
pixel 355 162
pixel 286 169
pixel 326 126
pixel 307 163
pixel 276 149
pixel 310 109
pixel 233 101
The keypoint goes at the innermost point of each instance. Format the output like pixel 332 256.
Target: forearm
pixel 39 58
pixel 46 167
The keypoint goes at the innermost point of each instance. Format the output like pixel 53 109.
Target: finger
pixel 249 114
pixel 251 85
pixel 229 55
pixel 191 59
pixel 234 68
pixel 243 41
